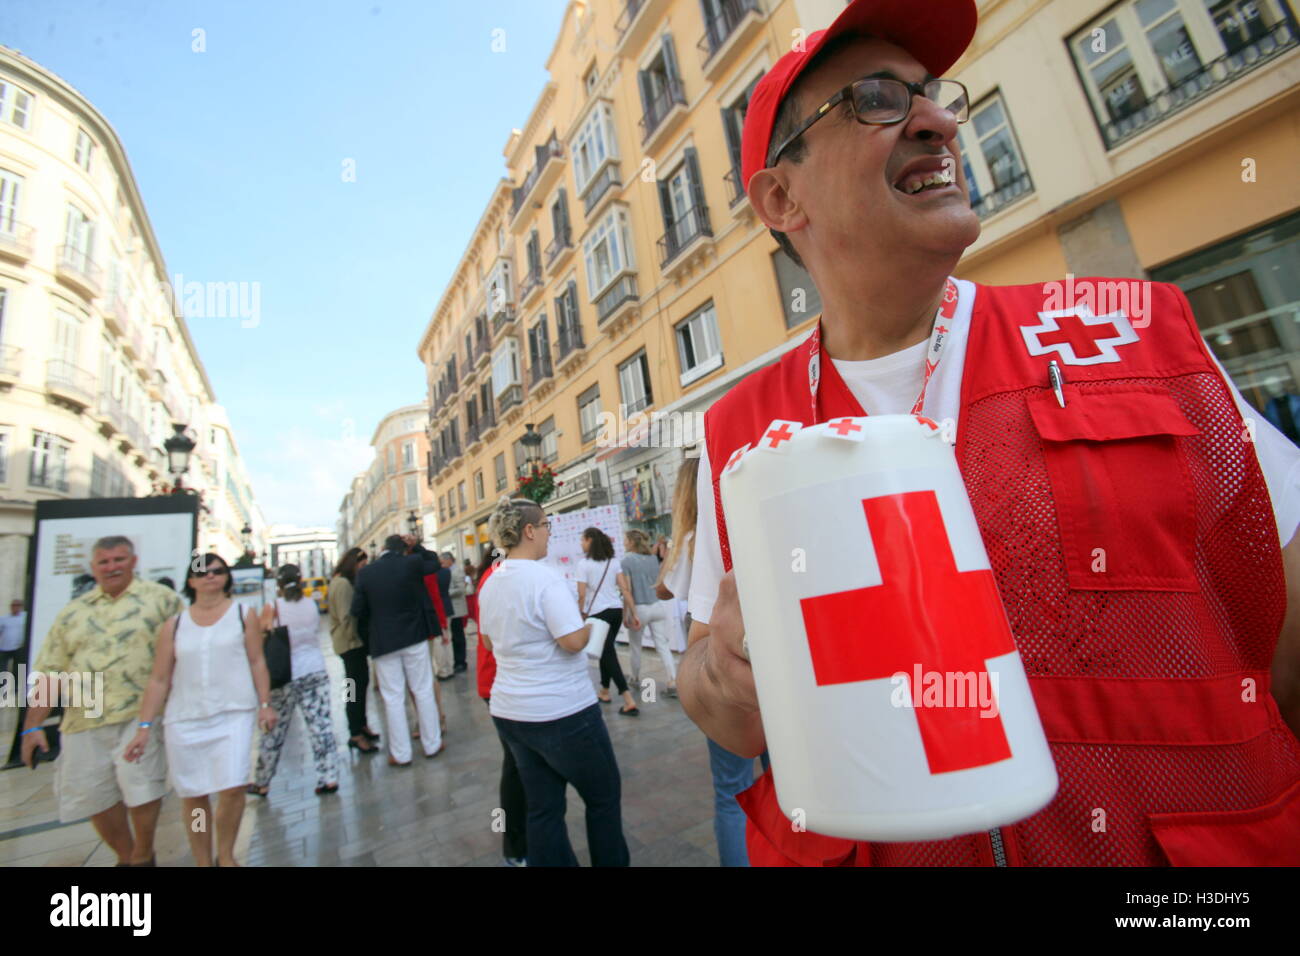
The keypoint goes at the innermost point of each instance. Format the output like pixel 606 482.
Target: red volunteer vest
pixel 1151 675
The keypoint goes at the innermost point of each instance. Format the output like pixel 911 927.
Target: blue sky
pixel 239 153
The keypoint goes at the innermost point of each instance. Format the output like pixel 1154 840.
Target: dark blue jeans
pixel 552 754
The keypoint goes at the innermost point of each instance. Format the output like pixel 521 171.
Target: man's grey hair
pixel 112 541
pixel 449 556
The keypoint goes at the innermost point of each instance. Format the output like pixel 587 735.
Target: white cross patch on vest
pixel 1078 336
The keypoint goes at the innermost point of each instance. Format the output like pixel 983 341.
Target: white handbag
pixel 599 628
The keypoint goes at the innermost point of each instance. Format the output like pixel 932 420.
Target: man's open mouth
pixel 925 182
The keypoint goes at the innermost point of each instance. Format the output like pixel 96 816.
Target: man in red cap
pixel 1165 674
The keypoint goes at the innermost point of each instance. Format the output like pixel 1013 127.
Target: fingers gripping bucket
pixel 894 702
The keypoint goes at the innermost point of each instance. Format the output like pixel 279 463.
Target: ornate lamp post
pixel 178 447
pixel 413 522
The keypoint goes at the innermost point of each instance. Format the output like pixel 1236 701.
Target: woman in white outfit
pixel 208 668
pixel 641 568
pixel 309 688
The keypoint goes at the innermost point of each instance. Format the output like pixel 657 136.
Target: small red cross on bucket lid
pixel 778 435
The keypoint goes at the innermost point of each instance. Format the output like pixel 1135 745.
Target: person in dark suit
pixel 389 596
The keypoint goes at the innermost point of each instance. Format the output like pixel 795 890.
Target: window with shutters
pixel 634 383
pixel 84 150
pixel 733 126
pixel 533 258
pixel 539 353
pixel 699 348
pixel 408 454
pixel 412 493
pixel 499 471
pixel 589 413
pixel 15 104
pixel 78 240
pixel 479 493
pixel 49 462
pixel 681 200
pixel 11 187
pixel 550 440
pixel 661 88
pixel 561 228
pixel 568 326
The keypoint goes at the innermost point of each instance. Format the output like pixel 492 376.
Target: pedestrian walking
pixel 603 592
pixel 210 674
pixel 542 700
pixel 349 639
pixel 13 630
pixel 308 690
pixel 109 629
pixel 641 569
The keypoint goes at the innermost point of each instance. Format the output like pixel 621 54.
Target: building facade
pixel 618 281
pixel 314 550
pixel 384 497
pixel 96 362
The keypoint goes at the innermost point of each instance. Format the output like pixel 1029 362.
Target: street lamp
pixel 246 535
pixel 532 443
pixel 178 448
pixel 413 522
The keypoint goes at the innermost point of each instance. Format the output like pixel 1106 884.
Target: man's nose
pixel 930 122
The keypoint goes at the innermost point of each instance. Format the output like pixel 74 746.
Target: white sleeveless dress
pixel 212 708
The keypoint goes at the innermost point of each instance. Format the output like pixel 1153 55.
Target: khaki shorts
pixel 92 776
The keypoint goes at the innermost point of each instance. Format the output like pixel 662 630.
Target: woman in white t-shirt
pixel 604 592
pixel 542 701
pixel 309 688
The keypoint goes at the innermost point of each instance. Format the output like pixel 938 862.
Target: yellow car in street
pixel 316 589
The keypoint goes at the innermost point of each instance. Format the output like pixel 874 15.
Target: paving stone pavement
pixel 434 813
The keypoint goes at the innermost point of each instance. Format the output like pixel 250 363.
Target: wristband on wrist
pixel 145 724
pixel 30 730
pixel 266 705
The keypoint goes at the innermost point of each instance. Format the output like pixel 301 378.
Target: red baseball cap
pixel 936 32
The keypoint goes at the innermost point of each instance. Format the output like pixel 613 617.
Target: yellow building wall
pixel 1037 258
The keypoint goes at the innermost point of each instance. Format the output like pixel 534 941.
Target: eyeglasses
pixel 210 573
pixel 882 101
pixel 543 524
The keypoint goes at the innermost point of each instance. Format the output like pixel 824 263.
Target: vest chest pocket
pixel 1121 487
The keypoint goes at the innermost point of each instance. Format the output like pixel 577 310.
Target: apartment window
pixel 661 87
pixel 533 255
pixel 499 471
pixel 79 239
pixel 550 440
pixel 4 456
pixel 681 199
pixel 83 152
pixel 699 348
pixel 590 79
pixel 634 383
pixel 994 165
pixel 593 146
pixel 539 351
pixel 800 299
pixel 505 366
pixel 11 187
pixel 451 505
pixel 408 454
pixel 460 494
pixel 412 492
pixel 560 226
pixel 442 507
pixel 607 251
pixel 98 477
pixel 67 337
pixel 1144 59
pixel 49 464
pixel 520 455
pixel 499 290
pixel 568 327
pixel 485 404
pixel 589 413
pixel 479 493
pixel 15 105
pixel 733 125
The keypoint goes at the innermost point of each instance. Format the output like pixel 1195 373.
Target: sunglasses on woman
pixel 216 572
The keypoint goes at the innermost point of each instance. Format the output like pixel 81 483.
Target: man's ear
pixel 770 196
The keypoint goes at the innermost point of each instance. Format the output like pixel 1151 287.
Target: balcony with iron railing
pixel 1205 80
pixel 502 319
pixel 602 184
pixel 671 101
pixel 568 340
pixel 531 283
pixel 615 297
pixel 541 369
pixel 1002 197
pixel 545 167
pixel 726 33
pixel 636 24
pixel 11 363
pixel 511 398
pixel 16 240
pixel 557 247
pixel 473 432
pixel 692 225
pixel 51 478
pixel 735 188
pixel 73 385
pixel 75 267
pixel 115 313
pixel 109 413
pixel 482 349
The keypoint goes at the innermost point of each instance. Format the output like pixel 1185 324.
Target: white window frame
pixel 589 415
pixel 15 101
pixel 501 277
pixel 972 144
pixel 54 461
pixel 500 475
pixel 79 235
pixel 594 146
pixel 412 493
pixel 505 366
pixel 641 380
pixel 612 233
pixel 701 327
pixel 408 454
pixel 83 152
pixel 11 194
pixel 550 448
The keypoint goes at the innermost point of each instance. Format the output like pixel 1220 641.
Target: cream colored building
pixel 314 550
pixel 618 269
pixel 96 363
pixel 383 498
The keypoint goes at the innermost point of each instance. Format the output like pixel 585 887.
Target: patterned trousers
pixel 312 694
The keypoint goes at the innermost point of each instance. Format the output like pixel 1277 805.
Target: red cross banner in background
pixel 1078 336
pixel 925 616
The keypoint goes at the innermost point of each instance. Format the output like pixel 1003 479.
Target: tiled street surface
pixel 434 813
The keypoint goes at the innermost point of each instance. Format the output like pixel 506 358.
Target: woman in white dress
pixel 209 670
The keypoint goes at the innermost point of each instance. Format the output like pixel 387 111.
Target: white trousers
pixel 410 667
pixel 656 618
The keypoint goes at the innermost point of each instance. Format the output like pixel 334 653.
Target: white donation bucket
pixel 894 701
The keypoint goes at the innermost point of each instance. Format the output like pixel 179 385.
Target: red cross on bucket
pixel 924 613
pixel 778 435
pixel 844 426
pixel 1079 335
pixel 735 457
